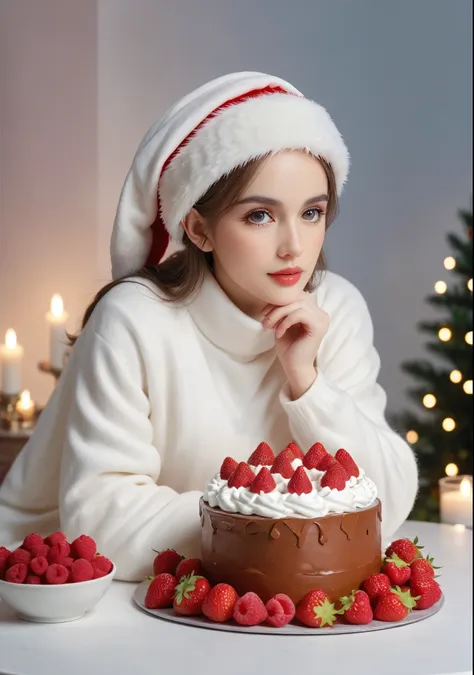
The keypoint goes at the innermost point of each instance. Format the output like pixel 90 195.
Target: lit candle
pixel 456 500
pixel 11 356
pixel 25 406
pixel 57 317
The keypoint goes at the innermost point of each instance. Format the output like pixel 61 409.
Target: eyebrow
pixel 275 202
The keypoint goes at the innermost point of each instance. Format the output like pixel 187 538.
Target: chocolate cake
pixel 291 524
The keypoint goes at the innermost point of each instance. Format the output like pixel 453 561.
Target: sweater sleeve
pixel 110 467
pixel 345 408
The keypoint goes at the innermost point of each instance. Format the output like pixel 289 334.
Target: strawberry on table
pixel 314 456
pixel 406 549
pixel 166 561
pixel 280 610
pixel 356 608
pixel 219 603
pixel 397 570
pixel 423 567
pixel 190 594
pixel 228 466
pixel 315 609
pixel 375 586
pixel 188 566
pixel 262 455
pixel 427 592
pixel 394 605
pixel 161 591
pixel 249 610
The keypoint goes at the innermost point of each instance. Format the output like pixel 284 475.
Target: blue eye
pixel 257 217
pixel 314 215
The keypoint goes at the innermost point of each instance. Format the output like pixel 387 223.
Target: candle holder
pixel 455 499
pixel 15 420
pixel 46 367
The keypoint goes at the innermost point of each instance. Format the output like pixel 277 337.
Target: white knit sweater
pixel 156 395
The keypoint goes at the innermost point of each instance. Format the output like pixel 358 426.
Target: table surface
pixel 117 637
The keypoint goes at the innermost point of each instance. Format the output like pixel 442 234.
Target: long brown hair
pixel 182 273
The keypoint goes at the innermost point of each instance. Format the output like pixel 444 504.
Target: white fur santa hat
pixel 208 133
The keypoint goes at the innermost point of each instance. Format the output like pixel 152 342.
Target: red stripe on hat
pixel 160 235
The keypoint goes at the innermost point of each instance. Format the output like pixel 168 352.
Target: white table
pixel 119 639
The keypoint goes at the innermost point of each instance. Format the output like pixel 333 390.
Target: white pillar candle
pixel 456 500
pixel 57 318
pixel 11 356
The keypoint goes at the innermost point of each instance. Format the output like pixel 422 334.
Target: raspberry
pixel 4 557
pixel 31 540
pixel 17 573
pixel 101 562
pixel 39 565
pixel 19 555
pixel 33 579
pixel 81 570
pixel 249 610
pixel 83 547
pixel 56 574
pixel 39 550
pixel 58 553
pixel 55 538
pixel 98 572
pixel 280 610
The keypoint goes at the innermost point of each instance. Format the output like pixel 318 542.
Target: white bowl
pixel 54 603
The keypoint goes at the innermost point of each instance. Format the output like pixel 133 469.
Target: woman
pixel 238 338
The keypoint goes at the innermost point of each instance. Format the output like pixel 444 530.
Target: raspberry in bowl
pixel 52 580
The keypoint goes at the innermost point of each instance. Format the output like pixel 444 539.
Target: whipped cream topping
pixel 359 493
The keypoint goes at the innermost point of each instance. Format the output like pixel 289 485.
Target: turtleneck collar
pixel 225 325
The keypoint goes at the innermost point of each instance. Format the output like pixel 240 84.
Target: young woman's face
pixel 266 246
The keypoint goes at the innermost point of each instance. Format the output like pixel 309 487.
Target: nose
pixel 289 245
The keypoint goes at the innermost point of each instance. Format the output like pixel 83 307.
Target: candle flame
pixel 25 399
pixel 466 488
pixel 57 305
pixel 10 339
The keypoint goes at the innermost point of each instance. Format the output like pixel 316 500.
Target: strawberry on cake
pixel 291 523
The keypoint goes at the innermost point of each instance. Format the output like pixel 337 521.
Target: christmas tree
pixel 441 431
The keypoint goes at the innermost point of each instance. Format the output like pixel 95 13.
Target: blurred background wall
pixel 80 83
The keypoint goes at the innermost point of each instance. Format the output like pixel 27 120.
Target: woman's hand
pixel 299 330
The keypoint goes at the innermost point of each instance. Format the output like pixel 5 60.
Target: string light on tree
pixel 450 262
pixel 445 334
pixel 429 401
pixel 451 469
pixel 412 436
pixel 442 388
pixel 449 424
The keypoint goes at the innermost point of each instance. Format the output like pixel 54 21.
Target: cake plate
pixel 290 629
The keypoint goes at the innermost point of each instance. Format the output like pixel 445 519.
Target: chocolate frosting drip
pixel 291 555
